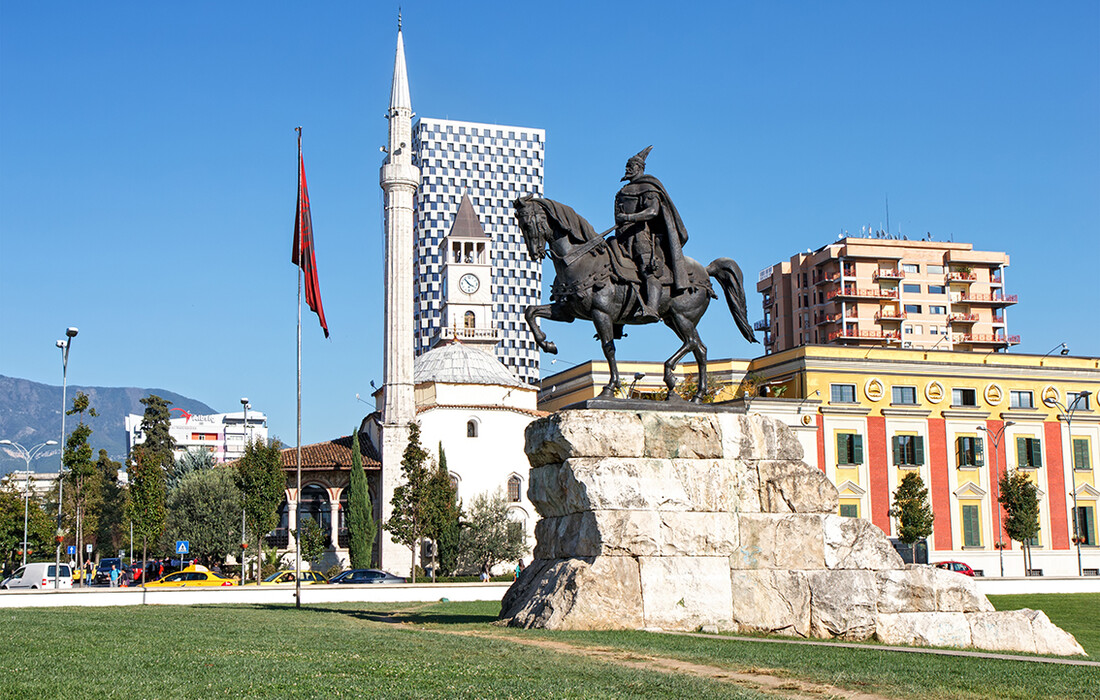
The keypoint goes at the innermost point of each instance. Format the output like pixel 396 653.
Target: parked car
pixel 366 576
pixel 39 575
pixel 283 577
pixel 192 576
pixel 103 571
pixel 956 566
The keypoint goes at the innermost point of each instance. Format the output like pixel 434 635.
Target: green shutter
pixel 841 448
pixel 857 449
pixel 1021 452
pixel 918 449
pixel 1081 454
pixel 1036 448
pixel 896 444
pixel 979 452
pixel 960 452
pixel 972 533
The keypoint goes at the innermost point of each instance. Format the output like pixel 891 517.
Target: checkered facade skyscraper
pixel 493 165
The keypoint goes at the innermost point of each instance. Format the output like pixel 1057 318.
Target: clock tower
pixel 467 309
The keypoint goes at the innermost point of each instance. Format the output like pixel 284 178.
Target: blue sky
pixel 148 156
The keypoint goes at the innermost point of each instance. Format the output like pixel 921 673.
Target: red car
pixel 956 566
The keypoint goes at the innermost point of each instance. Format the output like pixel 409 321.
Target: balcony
pixel 761 325
pixel 863 293
pixel 962 318
pixel 829 278
pixel 887 275
pixel 768 301
pixel 467 334
pixel 986 339
pixel 853 334
pixel 995 299
pixel 890 316
pixel 954 276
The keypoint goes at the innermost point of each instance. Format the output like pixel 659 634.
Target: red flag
pixel 303 255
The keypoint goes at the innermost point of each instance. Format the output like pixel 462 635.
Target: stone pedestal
pixel 688 520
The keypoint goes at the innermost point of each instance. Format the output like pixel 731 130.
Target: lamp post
pixel 995 439
pixel 28 456
pixel 244 534
pixel 1068 412
pixel 70 333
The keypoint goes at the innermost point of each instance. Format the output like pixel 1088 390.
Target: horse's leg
pixel 605 331
pixel 554 312
pixel 685 328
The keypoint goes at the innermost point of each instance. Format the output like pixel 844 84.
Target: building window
pixel 1081 458
pixel 471 428
pixel 849 510
pixel 1029 453
pixel 937 310
pixel 1020 399
pixel 910 267
pixel 1078 397
pixel 935 269
pixel 908 450
pixel 849 448
pixel 972 526
pixel 910 288
pixel 842 393
pixel 912 308
pixel 468 319
pixel 514 485
pixel 937 289
pixel 1086 524
pixel 964 397
pixel 968 451
pixel 904 394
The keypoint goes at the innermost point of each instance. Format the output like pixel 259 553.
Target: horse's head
pixel 534 226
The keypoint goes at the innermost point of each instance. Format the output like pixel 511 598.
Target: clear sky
pixel 148 163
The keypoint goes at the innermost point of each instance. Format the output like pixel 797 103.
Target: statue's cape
pixel 666 203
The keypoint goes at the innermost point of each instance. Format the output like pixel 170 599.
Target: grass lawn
pixel 452 650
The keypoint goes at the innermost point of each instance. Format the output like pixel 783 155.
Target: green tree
pixel 448 539
pixel 193 460
pixel 406 525
pixel 311 541
pixel 204 509
pixel 146 508
pixel 262 483
pixel 913 511
pixel 1020 498
pixel 489 536
pixel 113 527
pixel 159 444
pixel 84 488
pixel 441 514
pixel 40 527
pixel 361 526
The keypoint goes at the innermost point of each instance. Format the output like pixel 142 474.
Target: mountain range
pixel 30 414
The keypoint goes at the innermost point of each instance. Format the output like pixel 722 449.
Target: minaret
pixel 399 179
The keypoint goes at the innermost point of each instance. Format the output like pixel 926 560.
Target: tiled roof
pixel 473 407
pixel 334 454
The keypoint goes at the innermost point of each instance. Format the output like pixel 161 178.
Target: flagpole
pixel 298 485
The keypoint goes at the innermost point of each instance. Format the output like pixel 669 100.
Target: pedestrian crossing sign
pixel 183 546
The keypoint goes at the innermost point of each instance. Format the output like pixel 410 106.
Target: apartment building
pixel 868 292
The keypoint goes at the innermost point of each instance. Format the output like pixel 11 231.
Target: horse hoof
pixel 607 393
pixel 550 348
pixel 674 397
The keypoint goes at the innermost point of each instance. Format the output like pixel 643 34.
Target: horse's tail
pixel 728 275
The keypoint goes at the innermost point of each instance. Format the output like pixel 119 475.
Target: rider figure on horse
pixel 650 232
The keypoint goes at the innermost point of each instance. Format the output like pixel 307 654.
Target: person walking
pixel 114 576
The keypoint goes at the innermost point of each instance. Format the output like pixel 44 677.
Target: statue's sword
pixel 586 247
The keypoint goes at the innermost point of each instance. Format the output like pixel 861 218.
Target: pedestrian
pixel 114 576
pixel 89 572
pixel 485 573
pixel 7 568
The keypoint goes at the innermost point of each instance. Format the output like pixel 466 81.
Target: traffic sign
pixel 183 547
pixel 88 548
pixel 72 549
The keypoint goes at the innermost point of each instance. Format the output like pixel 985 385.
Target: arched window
pixel 468 319
pixel 515 484
pixel 315 506
pixel 471 428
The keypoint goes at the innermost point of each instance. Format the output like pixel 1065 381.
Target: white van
pixel 39 575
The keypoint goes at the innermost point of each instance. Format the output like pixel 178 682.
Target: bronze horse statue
pixel 595 282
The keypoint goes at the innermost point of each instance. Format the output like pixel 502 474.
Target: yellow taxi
pixel 194 575
pixel 285 577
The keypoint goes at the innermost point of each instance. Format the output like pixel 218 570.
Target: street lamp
pixel 1052 402
pixel 1062 349
pixel 70 333
pixel 28 456
pixel 995 438
pixel 244 534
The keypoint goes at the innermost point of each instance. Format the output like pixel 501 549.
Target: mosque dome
pixel 455 363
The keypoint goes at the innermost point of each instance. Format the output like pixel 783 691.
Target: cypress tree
pixel 361 527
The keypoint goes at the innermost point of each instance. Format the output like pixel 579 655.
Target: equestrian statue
pixel 638 276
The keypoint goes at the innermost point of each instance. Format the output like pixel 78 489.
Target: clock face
pixel 468 283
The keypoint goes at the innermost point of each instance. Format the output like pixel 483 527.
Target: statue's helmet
pixel 638 160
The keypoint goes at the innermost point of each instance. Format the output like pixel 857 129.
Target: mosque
pixel 460 388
